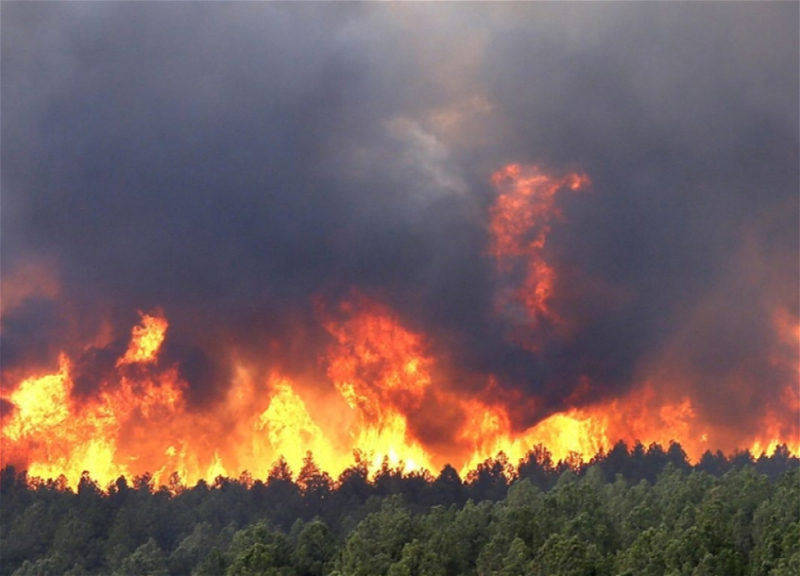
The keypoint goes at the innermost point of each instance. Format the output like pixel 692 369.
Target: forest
pixel 631 511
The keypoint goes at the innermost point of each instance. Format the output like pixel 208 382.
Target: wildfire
pixel 381 371
pixel 582 432
pixel 146 339
pixel 781 421
pixel 41 403
pixel 44 431
pixel 57 435
pixel 520 221
pixel 139 422
pixel 378 378
pixel 289 429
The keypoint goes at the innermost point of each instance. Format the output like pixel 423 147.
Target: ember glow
pixel 235 234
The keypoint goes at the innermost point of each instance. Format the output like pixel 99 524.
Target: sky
pixel 240 165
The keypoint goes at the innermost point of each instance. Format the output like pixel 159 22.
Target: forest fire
pixel 521 219
pixel 379 379
pixel 367 288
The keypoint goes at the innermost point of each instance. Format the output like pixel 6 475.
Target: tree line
pixel 631 511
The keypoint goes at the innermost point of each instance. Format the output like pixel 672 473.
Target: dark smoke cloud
pixel 33 334
pixel 228 162
pixel 96 368
pixel 6 408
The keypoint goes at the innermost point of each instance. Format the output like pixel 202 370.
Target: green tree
pixel 417 560
pixel 568 556
pixel 492 556
pixel 261 560
pixel 378 540
pixel 645 557
pixel 214 564
pixel 51 566
pixel 258 549
pixel 316 546
pixel 147 560
pixel 192 549
pixel 517 560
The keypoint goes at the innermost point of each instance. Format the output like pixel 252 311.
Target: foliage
pixel 644 511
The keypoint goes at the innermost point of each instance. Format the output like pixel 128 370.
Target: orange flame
pixel 290 430
pixel 380 376
pixel 138 421
pixel 520 221
pixel 381 371
pixel 146 339
pixel 781 422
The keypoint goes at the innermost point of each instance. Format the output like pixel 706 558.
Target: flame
pixel 520 221
pixel 146 339
pixel 377 379
pixel 56 435
pixel 521 214
pixel 584 432
pixel 381 371
pixel 139 421
pixel 290 430
pixel 41 403
pixel 45 431
pixel 781 422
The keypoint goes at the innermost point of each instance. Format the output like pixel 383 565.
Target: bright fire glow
pixel 520 221
pixel 381 371
pixel 146 339
pixel 378 376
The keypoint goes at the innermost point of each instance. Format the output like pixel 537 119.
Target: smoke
pixel 234 164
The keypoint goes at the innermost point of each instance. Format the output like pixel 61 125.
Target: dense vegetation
pixel 628 512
